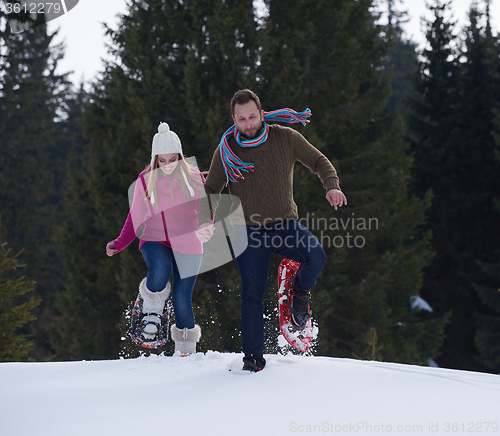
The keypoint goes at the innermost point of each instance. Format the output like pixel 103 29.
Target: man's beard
pixel 255 133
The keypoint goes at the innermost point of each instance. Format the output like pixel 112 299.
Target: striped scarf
pixel 233 165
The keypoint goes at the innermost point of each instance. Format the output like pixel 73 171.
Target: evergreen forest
pixel 413 269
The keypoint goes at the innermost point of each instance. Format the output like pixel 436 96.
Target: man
pixel 266 154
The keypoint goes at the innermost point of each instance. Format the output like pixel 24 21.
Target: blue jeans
pixel 161 265
pixel 289 239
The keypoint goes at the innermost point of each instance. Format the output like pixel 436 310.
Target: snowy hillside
pixel 197 395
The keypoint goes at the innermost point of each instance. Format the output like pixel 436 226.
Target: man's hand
pixel 205 232
pixel 336 198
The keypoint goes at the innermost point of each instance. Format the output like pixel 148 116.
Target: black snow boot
pixel 300 308
pixel 253 365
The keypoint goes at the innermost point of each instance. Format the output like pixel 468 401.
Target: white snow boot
pixel 153 301
pixel 186 339
pixel 152 306
pixel 150 317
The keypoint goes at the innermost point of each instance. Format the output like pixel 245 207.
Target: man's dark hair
pixel 243 96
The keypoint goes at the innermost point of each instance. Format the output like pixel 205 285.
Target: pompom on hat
pixel 165 142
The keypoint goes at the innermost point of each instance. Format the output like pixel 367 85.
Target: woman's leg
pixel 182 289
pixel 159 259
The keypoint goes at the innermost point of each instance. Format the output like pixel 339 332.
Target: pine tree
pixel 486 338
pixel 453 144
pixel 31 99
pixel 432 137
pixel 15 312
pixel 330 57
pixel 487 335
pixel 74 218
pixel 24 134
pixel 436 98
pixel 478 240
pixel 221 60
pixel 402 58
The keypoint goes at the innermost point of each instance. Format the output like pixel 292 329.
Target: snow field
pixel 198 395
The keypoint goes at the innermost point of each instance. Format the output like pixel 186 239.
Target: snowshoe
pixel 149 330
pixel 298 332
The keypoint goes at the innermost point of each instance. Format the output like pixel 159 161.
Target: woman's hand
pixel 205 232
pixel 110 248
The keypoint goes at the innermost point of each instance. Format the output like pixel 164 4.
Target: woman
pixel 164 214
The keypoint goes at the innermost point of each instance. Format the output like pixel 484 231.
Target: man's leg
pixel 297 243
pixel 253 264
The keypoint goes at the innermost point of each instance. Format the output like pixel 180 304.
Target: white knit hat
pixel 165 142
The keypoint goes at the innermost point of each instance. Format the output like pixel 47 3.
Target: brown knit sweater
pixel 266 194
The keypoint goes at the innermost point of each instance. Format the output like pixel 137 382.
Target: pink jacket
pixel 173 223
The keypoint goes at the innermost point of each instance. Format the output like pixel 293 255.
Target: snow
pixel 417 302
pixel 198 395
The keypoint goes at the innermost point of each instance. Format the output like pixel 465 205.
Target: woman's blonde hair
pixel 192 174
